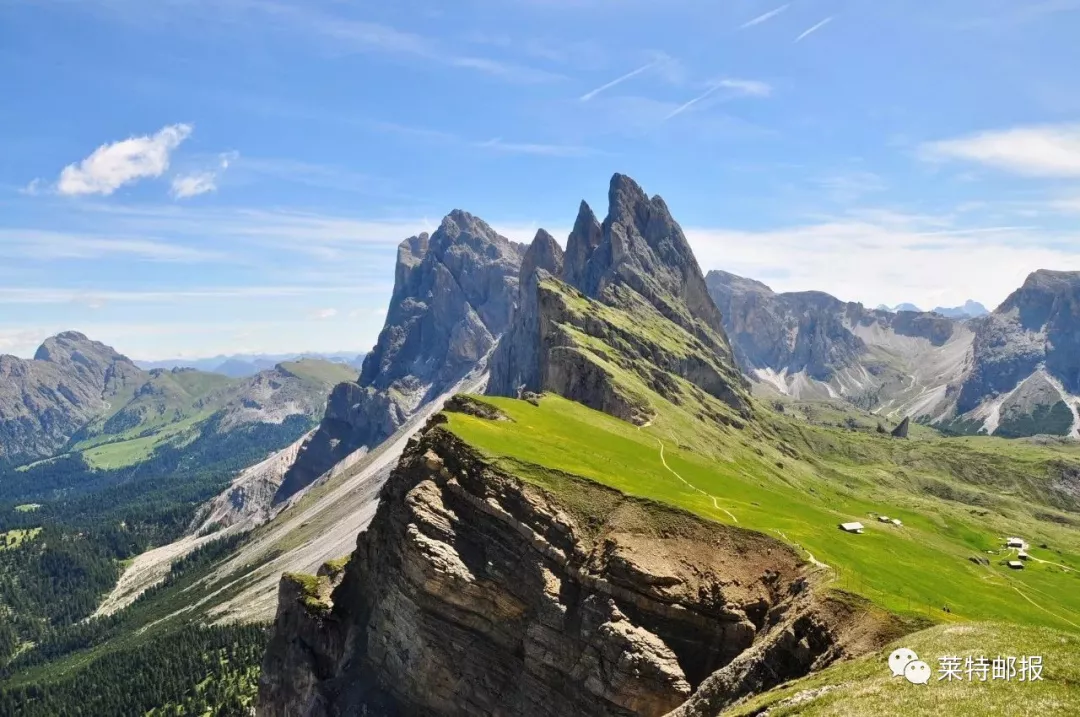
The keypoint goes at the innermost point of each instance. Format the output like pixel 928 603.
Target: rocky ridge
pixel 473 592
pixel 453 297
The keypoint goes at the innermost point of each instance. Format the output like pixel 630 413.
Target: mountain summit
pixel 623 312
pixel 453 298
pixel 45 400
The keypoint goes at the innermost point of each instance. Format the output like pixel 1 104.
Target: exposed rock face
pixel 631 283
pixel 45 401
pixel 453 296
pixel 246 502
pixel 1015 372
pixel 811 345
pixel 1038 324
pixel 514 364
pixel 473 593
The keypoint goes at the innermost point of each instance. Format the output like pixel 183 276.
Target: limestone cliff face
pixel 631 283
pixel 453 296
pixel 473 593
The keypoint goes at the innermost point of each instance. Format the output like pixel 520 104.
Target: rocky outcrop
pixel 46 400
pixel 453 297
pixel 903 429
pixel 474 593
pixel 627 296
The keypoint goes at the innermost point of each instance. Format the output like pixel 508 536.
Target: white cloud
pixel 111 166
pixel 1038 151
pixel 34 188
pixel 764 17
pixel 888 259
pixel 193 184
pixel 322 314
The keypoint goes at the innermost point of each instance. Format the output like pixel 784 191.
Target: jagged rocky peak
pixel 454 294
pixel 544 253
pixel 580 246
pixel 642 246
pixel 659 322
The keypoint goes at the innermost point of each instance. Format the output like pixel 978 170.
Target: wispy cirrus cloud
pixel 623 78
pixel 735 88
pixel 44 245
pixel 540 150
pixel 62 295
pixel 366 36
pixel 116 164
pixel 1037 151
pixel 812 29
pixel 764 17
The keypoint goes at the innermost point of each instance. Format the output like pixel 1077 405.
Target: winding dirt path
pixel 1059 617
pixel 809 555
pixel 691 486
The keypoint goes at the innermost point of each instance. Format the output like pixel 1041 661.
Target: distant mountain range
pixel 970 310
pixel 78 395
pixel 243 365
pixel 1013 372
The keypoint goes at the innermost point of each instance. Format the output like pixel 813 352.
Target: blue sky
pixel 192 177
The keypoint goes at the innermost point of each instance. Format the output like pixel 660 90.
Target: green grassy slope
pixel 758 484
pixel 321 372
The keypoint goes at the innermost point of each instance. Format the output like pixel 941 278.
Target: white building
pixel 1016 565
pixel 852 527
pixel 1015 543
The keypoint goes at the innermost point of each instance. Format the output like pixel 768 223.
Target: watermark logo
pixel 917 672
pixel 899 659
pixel 905 663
